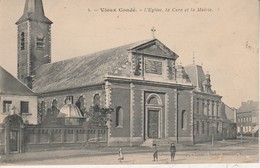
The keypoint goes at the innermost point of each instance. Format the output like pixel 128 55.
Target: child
pixel 155 153
pixel 173 151
pixel 120 155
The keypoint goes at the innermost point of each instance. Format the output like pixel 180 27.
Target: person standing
pixel 120 155
pixel 155 152
pixel 172 151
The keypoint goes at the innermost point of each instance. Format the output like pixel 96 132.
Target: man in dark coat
pixel 173 151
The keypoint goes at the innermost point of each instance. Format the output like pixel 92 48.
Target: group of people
pixel 155 153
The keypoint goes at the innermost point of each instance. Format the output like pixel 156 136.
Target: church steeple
pixel 33 10
pixel 34 40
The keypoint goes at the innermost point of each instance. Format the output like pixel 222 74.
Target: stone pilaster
pixel 167 111
pixel 108 92
pixel 176 113
pixel 142 113
pixel 132 107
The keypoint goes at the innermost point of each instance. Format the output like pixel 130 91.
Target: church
pixel 153 99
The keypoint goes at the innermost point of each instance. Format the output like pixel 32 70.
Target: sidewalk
pixel 58 154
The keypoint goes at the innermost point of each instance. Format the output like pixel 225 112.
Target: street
pixel 232 151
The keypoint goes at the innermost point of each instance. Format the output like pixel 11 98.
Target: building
pixel 229 129
pixel 18 107
pixel 154 100
pixel 248 118
pixel 208 117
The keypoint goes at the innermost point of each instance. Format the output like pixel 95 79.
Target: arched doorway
pixel 13 134
pixel 153 124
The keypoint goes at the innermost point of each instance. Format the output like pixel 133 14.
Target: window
pixel 198 127
pixel 203 127
pixel 198 106
pixel 217 127
pixel 203 106
pixel 208 128
pixel 80 104
pixel 208 108
pixel 7 106
pixel 153 100
pixel 184 120
pixel 42 112
pixel 22 42
pixel 54 103
pixel 96 100
pixel 40 42
pixel 119 117
pixel 24 107
pixel 212 109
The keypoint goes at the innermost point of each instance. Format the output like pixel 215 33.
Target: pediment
pixel 155 48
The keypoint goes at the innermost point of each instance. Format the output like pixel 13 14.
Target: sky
pixel 223 38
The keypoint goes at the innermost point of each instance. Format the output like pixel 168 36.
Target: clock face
pixel 40 36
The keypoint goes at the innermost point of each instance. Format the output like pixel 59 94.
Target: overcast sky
pixel 224 39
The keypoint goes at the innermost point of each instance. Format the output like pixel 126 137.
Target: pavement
pixel 232 147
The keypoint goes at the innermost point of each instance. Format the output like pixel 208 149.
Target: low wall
pixel 41 139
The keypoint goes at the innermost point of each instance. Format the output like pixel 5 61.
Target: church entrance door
pixel 153 123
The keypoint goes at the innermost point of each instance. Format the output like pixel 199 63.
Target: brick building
pixel 152 98
pixel 248 118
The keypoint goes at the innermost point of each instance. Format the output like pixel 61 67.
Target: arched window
pixel 119 117
pixel 96 100
pixel 54 103
pixel 80 104
pixel 153 100
pixel 42 112
pixel 22 41
pixel 184 120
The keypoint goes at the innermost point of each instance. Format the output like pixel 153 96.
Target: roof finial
pixel 153 31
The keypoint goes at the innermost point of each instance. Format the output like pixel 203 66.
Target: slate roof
pixel 248 106
pixel 33 10
pixel 12 86
pixel 196 75
pixel 84 70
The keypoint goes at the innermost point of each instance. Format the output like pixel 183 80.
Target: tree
pixel 99 116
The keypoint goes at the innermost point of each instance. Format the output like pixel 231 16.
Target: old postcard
pixel 97 82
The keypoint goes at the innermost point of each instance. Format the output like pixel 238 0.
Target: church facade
pixel 152 97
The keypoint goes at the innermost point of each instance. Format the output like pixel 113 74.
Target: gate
pixel 13 134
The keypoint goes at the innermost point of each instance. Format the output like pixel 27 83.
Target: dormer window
pixel 22 42
pixel 40 41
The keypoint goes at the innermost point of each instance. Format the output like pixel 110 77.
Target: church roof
pixel 196 75
pixel 10 85
pixel 85 70
pixel 33 10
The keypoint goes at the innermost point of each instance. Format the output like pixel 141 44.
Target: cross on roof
pixel 153 31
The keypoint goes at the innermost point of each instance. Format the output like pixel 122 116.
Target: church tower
pixel 34 40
